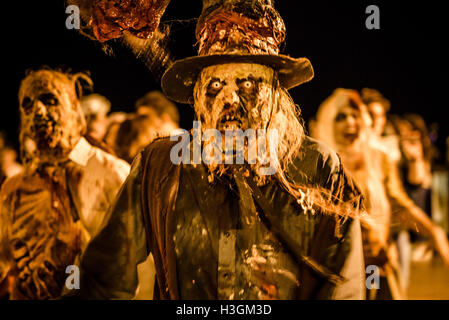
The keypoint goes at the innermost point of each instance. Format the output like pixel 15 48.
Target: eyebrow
pixel 214 79
pixel 250 77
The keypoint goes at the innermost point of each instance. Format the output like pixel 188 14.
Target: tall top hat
pixel 236 31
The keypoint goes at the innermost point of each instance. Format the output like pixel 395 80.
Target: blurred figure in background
pixel 8 163
pixel 155 103
pixel 155 117
pixel 114 120
pixel 8 159
pixel 134 134
pixel 343 122
pixel 378 107
pixel 95 108
pixel 49 212
pixel 415 170
pixel 384 136
pixel 417 155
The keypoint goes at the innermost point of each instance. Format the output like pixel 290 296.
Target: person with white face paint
pixel 227 231
pixel 49 212
pixel 343 122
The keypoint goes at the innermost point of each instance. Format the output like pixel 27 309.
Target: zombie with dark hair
pixel 378 107
pixel 154 104
pixel 156 101
pixel 49 212
pixel 221 229
pixel 135 134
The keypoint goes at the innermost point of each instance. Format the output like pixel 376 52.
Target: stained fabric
pixel 226 249
pixel 196 235
pixel 47 218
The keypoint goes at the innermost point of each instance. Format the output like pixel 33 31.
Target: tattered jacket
pixel 142 221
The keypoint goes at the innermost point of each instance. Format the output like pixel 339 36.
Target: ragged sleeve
pixel 339 238
pixel 108 267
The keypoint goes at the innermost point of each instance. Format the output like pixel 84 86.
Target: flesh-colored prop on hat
pixel 136 23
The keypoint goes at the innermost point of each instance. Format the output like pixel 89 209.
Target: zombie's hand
pixel 441 244
pixel 374 248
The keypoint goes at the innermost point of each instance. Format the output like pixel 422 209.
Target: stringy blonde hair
pixel 285 118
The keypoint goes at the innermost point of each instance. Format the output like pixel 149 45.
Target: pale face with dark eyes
pixel 52 121
pixel 347 126
pixel 234 96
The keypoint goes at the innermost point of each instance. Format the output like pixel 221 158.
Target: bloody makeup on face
pixel 51 116
pixel 235 96
pixel 347 125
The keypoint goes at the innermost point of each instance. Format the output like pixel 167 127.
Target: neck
pixel 351 155
pixel 45 159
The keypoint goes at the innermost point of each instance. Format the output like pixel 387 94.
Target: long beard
pixel 257 152
pixel 290 134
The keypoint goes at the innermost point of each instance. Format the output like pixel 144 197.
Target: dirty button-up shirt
pixel 46 219
pixel 219 254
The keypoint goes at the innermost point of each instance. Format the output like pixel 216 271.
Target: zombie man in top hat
pixel 49 212
pixel 221 230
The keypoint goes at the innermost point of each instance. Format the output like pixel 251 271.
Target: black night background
pixel 405 59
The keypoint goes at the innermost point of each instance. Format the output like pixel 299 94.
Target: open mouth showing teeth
pixel 230 120
pixel 350 136
pixel 44 128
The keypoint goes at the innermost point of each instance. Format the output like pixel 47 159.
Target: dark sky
pixel 405 59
